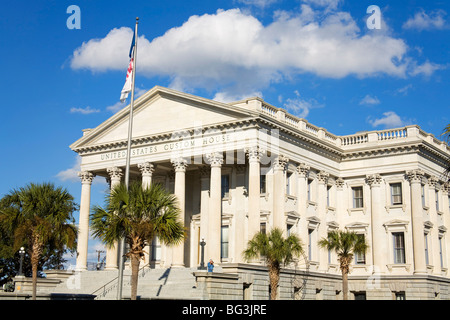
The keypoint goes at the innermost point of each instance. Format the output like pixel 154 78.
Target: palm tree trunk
pixel 35 254
pixel 135 260
pixel 274 278
pixel 345 285
pixel 345 268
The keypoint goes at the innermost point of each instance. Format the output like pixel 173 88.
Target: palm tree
pixel 276 250
pixel 36 215
pixel 137 214
pixel 345 244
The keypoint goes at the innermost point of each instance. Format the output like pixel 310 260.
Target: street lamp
pixel 21 253
pixel 202 259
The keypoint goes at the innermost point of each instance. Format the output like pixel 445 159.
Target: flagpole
pixel 127 168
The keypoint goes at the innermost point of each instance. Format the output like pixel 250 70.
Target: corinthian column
pixel 112 257
pixel 302 198
pixel 180 165
pixel 254 175
pixel 322 180
pixel 446 208
pixel 434 257
pixel 415 180
pixel 378 241
pixel 215 207
pixel 147 169
pixel 279 192
pixel 83 224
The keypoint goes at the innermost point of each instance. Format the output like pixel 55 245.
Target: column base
pixel 80 269
pixel 420 272
pixel 178 266
pixel 111 268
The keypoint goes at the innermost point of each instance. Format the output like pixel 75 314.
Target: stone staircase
pixel 164 283
pixel 168 283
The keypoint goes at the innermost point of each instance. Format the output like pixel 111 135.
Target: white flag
pixel 128 82
pixel 127 86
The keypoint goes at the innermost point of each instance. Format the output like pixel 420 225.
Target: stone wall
pixel 251 282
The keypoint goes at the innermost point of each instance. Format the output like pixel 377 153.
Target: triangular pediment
pixel 162 111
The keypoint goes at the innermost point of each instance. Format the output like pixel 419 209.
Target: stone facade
pixel 247 166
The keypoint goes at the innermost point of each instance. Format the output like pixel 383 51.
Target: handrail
pixel 141 273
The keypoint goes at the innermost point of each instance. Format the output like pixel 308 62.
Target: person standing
pixel 210 265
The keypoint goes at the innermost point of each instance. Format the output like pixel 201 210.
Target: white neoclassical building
pixel 248 166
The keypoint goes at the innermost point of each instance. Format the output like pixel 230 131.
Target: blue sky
pixel 316 58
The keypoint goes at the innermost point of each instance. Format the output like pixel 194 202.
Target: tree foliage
pixel 345 244
pixel 276 250
pixel 138 214
pixel 39 218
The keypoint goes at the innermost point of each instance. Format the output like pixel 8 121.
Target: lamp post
pixel 202 257
pixel 21 253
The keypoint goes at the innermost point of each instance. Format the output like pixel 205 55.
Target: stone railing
pixel 347 142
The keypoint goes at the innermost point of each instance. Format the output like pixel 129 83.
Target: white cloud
pixel 329 4
pixel 389 120
pixel 301 107
pixel 423 21
pixel 426 69
pixel 87 110
pixel 404 90
pixel 116 107
pixel 235 52
pixel 369 100
pixel 71 174
pixel 120 105
pixel 258 3
pixel 227 97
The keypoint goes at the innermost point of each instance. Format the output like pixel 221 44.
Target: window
pixel 289 188
pixel 309 190
pixel 224 242
pixel 399 247
pixel 360 258
pixel 441 252
pixel 360 295
pixel 427 261
pixel 225 185
pixel 262 183
pixel 396 193
pixel 400 295
pixel 289 228
pixel 357 197
pixel 310 236
pixel 423 196
pixel 437 200
pixel 262 227
pixel 328 195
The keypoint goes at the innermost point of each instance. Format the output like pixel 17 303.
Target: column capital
pixel 86 177
pixel 215 159
pixel 115 173
pixel 146 168
pixel 254 153
pixel 415 176
pixel 445 187
pixel 433 181
pixel 373 180
pixel 179 164
pixel 280 163
pixel 340 183
pixel 322 177
pixel 303 170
